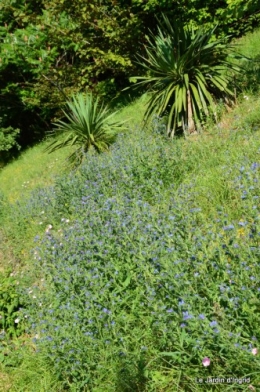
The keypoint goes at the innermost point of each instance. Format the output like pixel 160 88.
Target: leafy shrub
pixel 137 293
pixel 10 303
pixel 8 142
pixel 89 125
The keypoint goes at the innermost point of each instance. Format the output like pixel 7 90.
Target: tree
pixel 187 72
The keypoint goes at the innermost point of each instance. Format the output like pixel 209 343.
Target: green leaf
pixel 89 123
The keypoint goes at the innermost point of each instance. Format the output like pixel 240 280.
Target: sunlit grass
pixel 33 168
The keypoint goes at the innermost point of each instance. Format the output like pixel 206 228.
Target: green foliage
pixel 233 16
pixel 8 142
pixel 50 50
pixel 89 125
pixel 126 246
pixel 186 71
pixel 10 304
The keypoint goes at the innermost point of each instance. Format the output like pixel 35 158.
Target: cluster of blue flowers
pixel 127 268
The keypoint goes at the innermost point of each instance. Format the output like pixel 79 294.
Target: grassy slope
pixel 204 156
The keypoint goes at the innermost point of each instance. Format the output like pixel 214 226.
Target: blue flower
pixel 195 209
pixel 255 166
pixel 213 323
pixel 229 227
pixel 242 223
pixel 187 316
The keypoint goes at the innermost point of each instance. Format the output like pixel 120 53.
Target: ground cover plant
pixel 118 256
pixel 140 270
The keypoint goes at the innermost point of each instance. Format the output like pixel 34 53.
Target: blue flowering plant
pixel 137 290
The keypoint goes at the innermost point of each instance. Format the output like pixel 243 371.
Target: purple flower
pixel 183 325
pixel 201 316
pixel 213 323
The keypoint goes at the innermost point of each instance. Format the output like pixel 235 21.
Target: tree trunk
pixel 191 124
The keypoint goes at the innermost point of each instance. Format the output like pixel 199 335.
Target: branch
pixel 56 85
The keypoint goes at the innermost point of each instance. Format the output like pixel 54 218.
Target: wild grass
pixel 139 265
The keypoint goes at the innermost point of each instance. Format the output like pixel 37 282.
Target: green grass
pixel 206 165
pixel 249 44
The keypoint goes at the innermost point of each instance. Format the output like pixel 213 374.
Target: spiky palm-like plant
pixel 89 124
pixel 187 72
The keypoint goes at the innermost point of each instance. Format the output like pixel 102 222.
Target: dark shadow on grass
pixel 125 98
pixel 250 80
pixel 130 377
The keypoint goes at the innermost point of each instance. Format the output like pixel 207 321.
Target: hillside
pixel 140 270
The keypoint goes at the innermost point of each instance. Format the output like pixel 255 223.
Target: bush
pixel 8 143
pixel 10 304
pixel 89 126
pixel 137 290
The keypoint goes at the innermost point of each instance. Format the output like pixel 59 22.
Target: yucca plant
pixel 89 124
pixel 187 73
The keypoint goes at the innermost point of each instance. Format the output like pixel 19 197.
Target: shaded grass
pixel 249 47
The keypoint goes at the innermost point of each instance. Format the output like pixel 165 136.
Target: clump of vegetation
pixel 10 304
pixel 89 125
pixel 187 73
pixel 8 143
pixel 120 246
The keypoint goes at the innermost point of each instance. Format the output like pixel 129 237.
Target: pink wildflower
pixel 206 361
